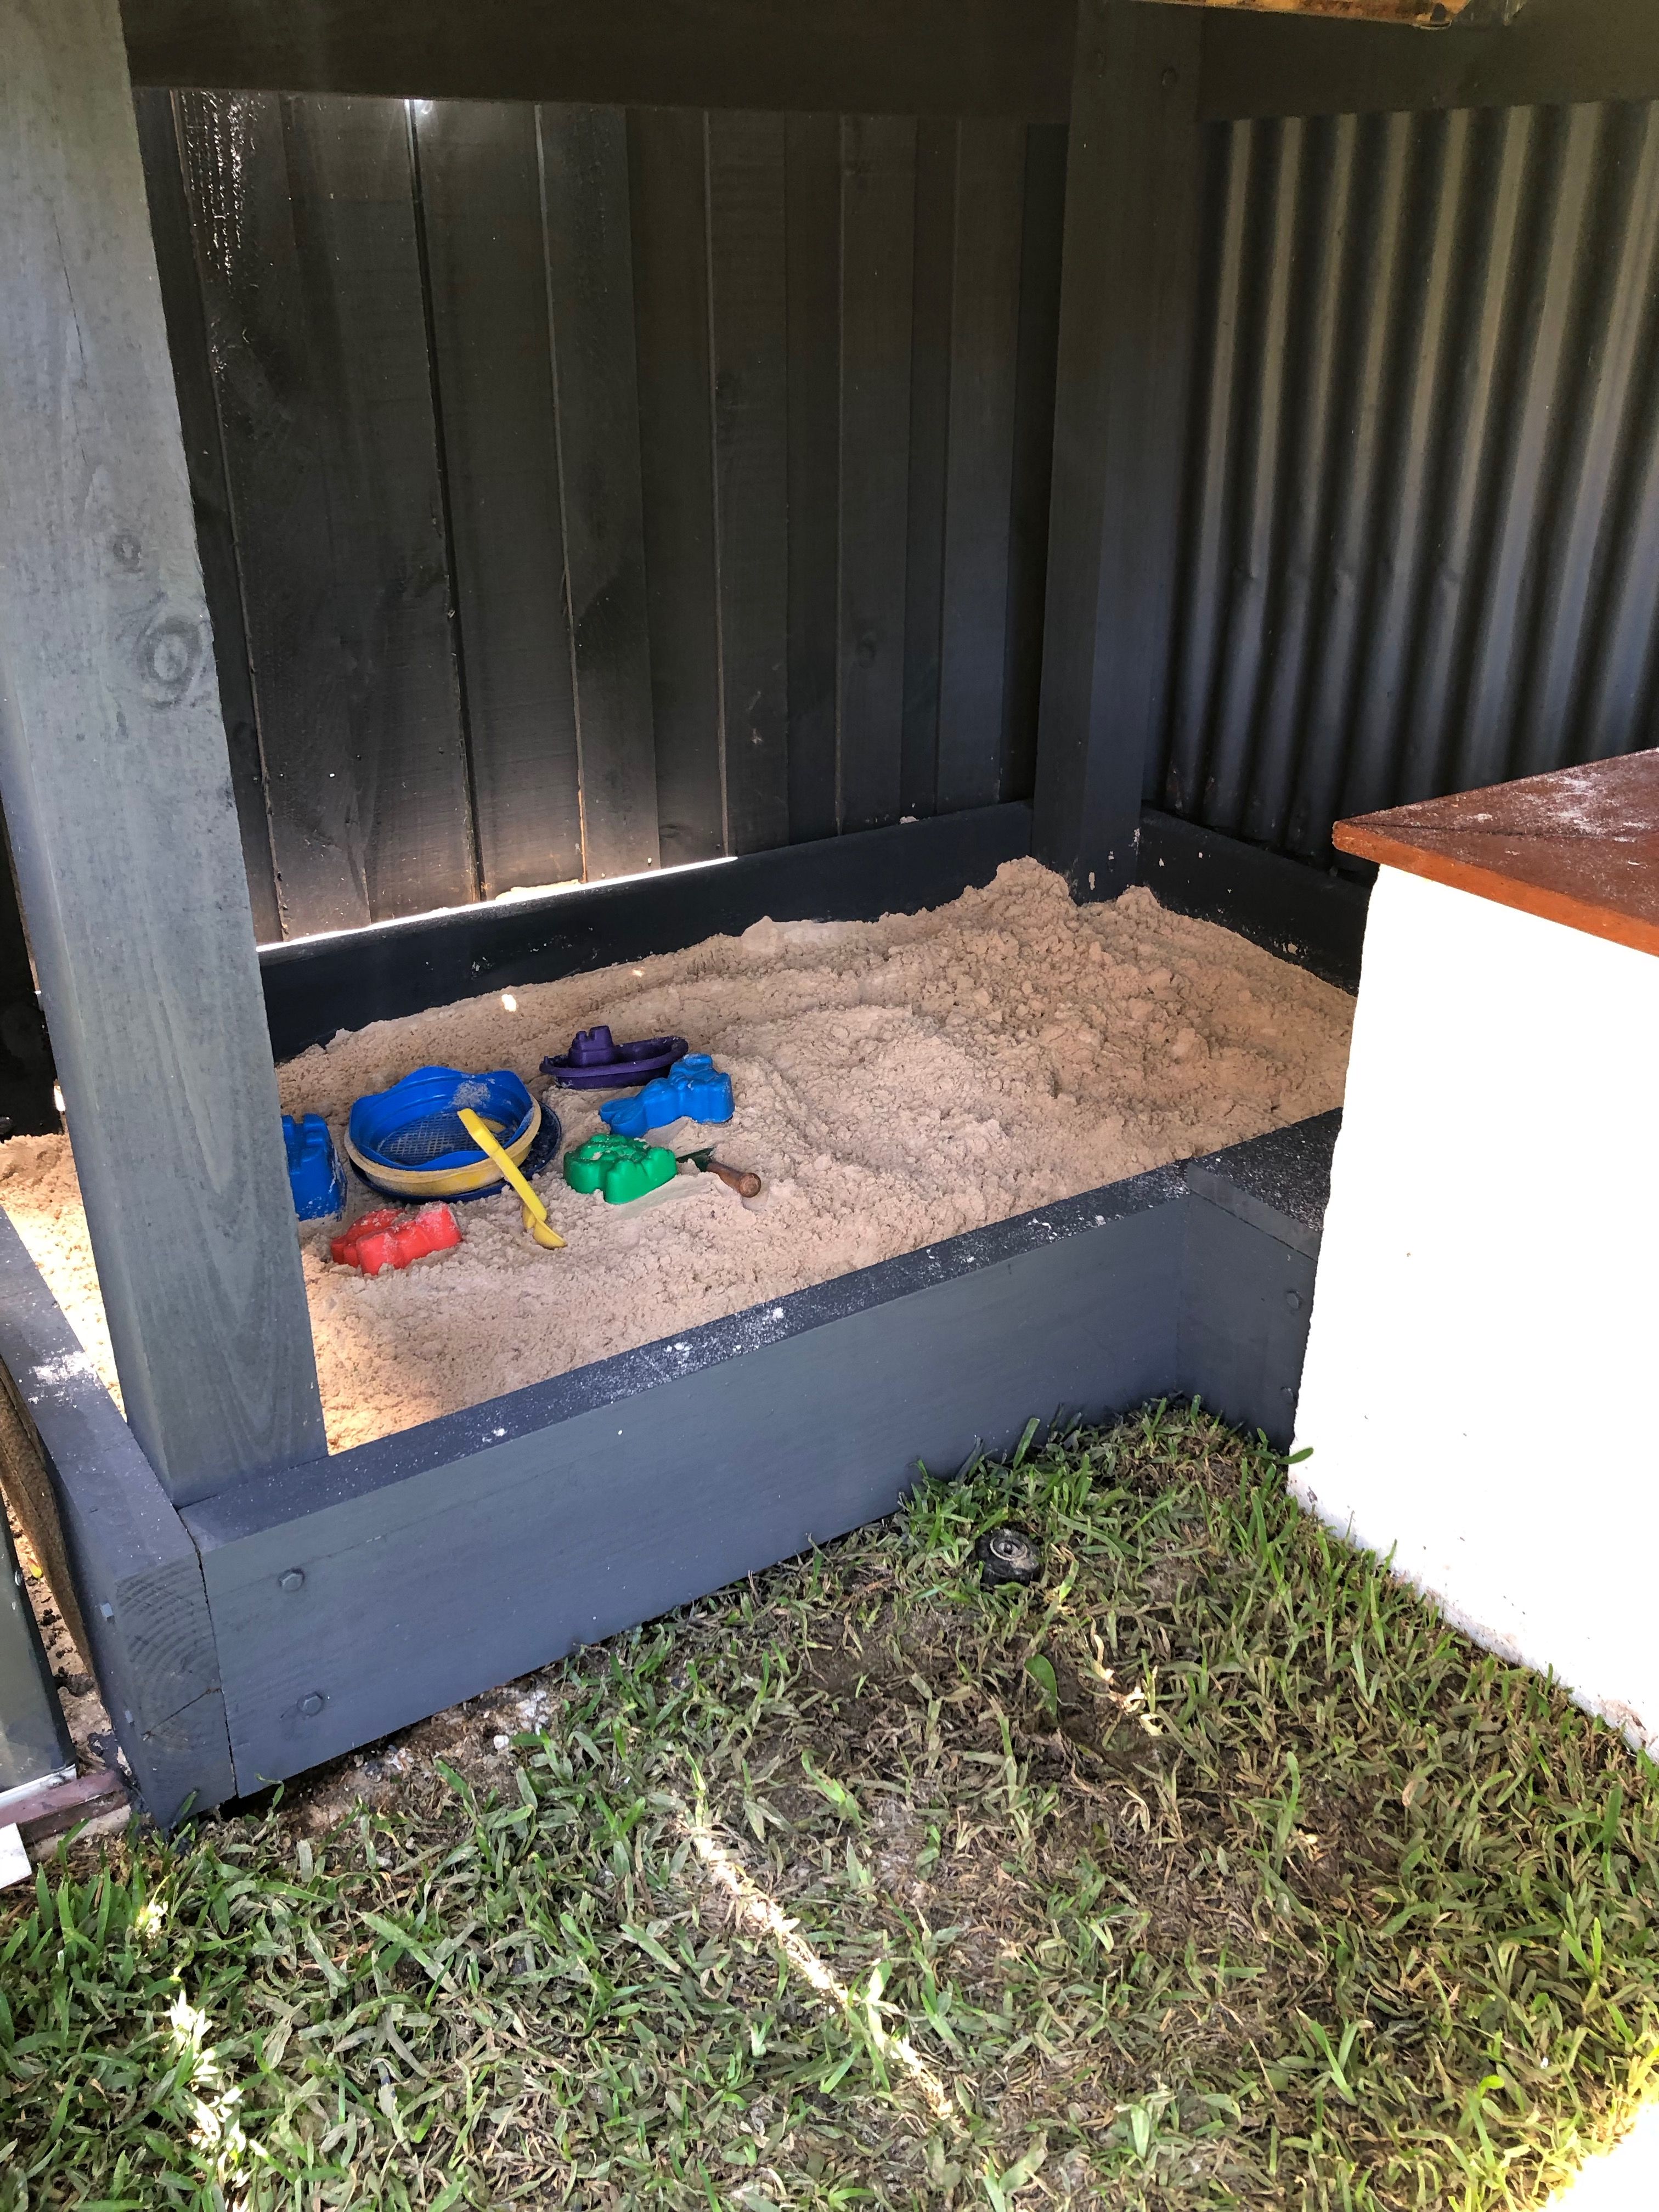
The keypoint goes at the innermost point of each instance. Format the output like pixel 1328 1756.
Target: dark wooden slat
pixel 813 215
pixel 1311 915
pixel 877 236
pixel 749 321
pixel 1556 53
pixel 980 460
pixel 590 290
pixel 1280 1184
pixel 117 787
pixel 55 1807
pixel 193 377
pixel 124 1573
pixel 949 57
pixel 312 990
pixel 671 311
pixel 34 1743
pixel 466 1551
pixel 438 1562
pixel 26 1068
pixel 305 236
pixel 1034 449
pixel 1246 1305
pixel 930 411
pixel 480 205
pixel 1129 296
pixel 939 57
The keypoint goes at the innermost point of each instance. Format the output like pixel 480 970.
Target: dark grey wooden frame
pixel 251 1607
pixel 300 1613
pixel 297 1613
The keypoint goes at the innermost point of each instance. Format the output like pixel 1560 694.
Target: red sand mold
pixel 389 1237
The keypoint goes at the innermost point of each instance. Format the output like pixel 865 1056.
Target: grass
pixel 1211 1869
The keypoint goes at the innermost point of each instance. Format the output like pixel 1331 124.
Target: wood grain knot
pixel 169 653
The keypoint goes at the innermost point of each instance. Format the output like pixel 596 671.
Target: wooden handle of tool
pixel 743 1181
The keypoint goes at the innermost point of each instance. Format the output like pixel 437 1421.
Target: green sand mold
pixel 620 1166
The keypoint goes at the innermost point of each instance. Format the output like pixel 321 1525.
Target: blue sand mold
pixel 694 1088
pixel 314 1173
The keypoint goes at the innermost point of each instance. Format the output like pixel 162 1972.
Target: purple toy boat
pixel 596 1061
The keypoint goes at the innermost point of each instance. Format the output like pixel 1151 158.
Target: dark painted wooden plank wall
pixel 744 160
pixel 590 310
pixel 480 197
pixel 307 257
pixel 586 489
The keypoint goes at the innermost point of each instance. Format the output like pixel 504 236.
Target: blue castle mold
pixel 314 1173
pixel 693 1090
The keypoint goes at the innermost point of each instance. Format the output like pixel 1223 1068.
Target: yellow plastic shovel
pixel 535 1213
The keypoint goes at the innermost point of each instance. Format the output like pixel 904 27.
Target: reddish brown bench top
pixel 1580 845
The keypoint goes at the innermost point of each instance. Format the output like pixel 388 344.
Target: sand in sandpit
pixel 897 1082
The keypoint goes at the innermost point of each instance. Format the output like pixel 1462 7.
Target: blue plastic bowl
pixel 417 1124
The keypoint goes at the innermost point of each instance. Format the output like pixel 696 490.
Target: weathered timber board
pixel 116 1552
pixel 456 1555
pixel 748 322
pixel 667 179
pixel 478 185
pixel 589 304
pixel 878 245
pixel 989 213
pixel 113 765
pixel 849 57
pixel 1311 915
pixel 314 989
pixel 1128 298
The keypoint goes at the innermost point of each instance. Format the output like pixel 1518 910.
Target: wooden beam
pixel 589 307
pixel 1129 295
pixel 1311 915
pixel 851 57
pixel 126 1576
pixel 314 987
pixel 34 1740
pixel 1556 53
pixel 409 1573
pixel 426 1567
pixel 117 787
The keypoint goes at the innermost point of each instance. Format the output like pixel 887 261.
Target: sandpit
pixel 897 1082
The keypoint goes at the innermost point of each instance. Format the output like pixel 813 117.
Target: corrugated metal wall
pixel 588 490
pixel 1421 549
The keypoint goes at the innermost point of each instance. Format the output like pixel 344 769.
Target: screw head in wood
pixel 293 1580
pixel 312 1704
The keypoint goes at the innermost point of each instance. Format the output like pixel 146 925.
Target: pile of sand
pixel 897 1082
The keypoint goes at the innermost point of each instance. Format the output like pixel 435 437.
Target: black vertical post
pixel 1129 296
pixel 118 789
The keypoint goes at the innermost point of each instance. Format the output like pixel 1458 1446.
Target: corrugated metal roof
pixel 1421 549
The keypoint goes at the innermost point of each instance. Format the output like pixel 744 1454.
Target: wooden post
pixel 1129 295
pixel 116 780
